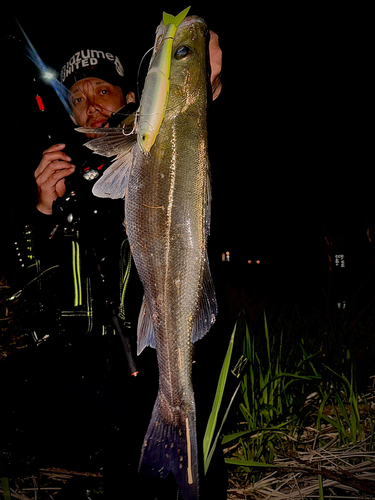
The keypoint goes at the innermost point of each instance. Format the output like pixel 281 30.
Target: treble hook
pixel 136 116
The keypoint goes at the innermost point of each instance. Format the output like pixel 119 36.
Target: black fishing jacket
pixel 77 264
pixel 82 297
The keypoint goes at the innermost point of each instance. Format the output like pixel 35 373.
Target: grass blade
pixel 248 463
pixel 6 489
pixel 212 421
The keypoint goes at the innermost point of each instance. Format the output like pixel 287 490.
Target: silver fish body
pixel 167 212
pixel 167 221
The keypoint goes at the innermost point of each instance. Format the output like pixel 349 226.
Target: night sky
pixel 289 137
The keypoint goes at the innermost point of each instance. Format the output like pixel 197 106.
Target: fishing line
pixel 92 102
pixel 139 70
pixel 157 44
pixel 103 108
pixel 136 117
pixel 138 89
pixel 183 100
pixel 177 104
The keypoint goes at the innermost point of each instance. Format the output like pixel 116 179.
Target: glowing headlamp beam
pixel 48 75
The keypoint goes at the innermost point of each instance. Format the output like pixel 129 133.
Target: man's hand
pixel 216 61
pixel 50 176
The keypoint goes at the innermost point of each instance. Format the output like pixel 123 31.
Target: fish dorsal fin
pixel 176 20
pixel 111 141
pixel 207 309
pixel 145 332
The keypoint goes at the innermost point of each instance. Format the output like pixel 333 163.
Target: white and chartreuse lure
pixel 156 89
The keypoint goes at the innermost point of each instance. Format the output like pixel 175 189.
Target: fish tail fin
pixel 169 448
pixel 176 20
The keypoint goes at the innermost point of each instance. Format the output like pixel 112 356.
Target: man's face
pixel 93 101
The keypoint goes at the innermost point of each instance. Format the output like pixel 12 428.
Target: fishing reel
pixel 70 209
pixel 67 213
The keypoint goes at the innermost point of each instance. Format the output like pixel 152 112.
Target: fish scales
pixel 165 176
pixel 167 227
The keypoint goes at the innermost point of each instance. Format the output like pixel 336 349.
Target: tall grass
pixel 272 389
pixel 284 388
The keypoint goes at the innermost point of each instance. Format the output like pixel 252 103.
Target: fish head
pixel 156 89
pixel 177 74
pixel 189 66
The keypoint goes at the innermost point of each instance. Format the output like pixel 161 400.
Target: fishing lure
pixel 157 83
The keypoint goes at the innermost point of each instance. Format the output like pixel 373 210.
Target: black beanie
pixel 93 63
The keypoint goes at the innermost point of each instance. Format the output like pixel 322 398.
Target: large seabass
pixel 165 179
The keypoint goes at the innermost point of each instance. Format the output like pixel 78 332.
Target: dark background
pixel 290 140
pixel 290 136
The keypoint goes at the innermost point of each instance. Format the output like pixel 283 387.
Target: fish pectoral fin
pixel 114 181
pixel 111 142
pixel 145 332
pixel 207 309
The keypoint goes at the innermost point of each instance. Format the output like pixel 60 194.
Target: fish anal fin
pixel 145 332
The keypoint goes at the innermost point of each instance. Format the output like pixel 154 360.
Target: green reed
pixel 282 389
pixel 272 389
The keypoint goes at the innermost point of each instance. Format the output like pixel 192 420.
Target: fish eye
pixel 182 52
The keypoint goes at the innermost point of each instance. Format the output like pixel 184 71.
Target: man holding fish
pixel 96 92
pixel 154 218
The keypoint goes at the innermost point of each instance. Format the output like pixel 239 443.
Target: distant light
pixel 225 256
pixel 340 260
pixel 48 75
